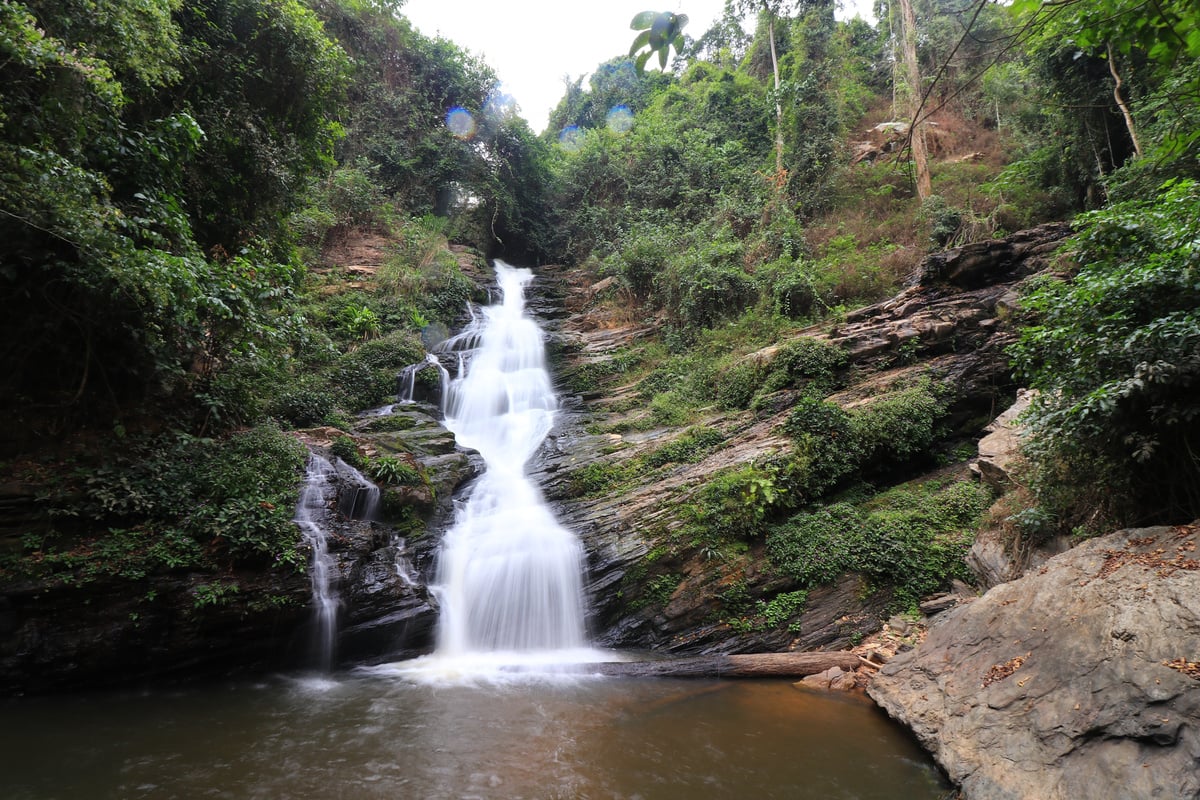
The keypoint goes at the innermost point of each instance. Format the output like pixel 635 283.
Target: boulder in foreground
pixel 1078 680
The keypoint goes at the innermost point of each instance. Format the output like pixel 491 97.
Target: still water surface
pixel 372 735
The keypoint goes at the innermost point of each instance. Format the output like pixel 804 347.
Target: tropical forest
pixel 810 410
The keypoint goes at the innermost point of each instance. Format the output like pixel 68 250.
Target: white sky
pixel 533 44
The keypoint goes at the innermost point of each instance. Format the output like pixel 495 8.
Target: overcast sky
pixel 533 44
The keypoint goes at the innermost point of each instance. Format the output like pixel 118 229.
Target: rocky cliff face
pixel 1077 680
pixel 109 630
pixel 952 323
pixel 647 588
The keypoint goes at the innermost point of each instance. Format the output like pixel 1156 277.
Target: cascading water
pixel 357 499
pixel 510 575
pixel 407 379
pixel 310 511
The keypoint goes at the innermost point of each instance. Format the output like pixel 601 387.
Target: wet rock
pixel 1077 680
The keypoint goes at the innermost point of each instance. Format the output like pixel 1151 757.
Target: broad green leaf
pixel 643 20
pixel 642 39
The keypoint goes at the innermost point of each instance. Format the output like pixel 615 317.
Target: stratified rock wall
pixel 1079 680
pixel 953 324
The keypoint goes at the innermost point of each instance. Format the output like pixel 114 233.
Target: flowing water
pixel 311 511
pixel 462 723
pixel 358 499
pixel 373 735
pixel 510 577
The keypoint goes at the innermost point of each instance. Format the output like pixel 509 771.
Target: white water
pixel 407 380
pixel 312 505
pixel 510 577
pixel 359 498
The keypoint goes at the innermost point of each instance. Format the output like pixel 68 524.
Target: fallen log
pixel 743 665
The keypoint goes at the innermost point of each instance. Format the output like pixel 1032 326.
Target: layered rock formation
pixel 952 323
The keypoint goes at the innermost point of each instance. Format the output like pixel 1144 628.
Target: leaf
pixel 642 39
pixel 641 61
pixel 662 57
pixel 643 20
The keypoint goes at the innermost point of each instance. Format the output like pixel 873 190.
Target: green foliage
pixel 737 502
pixel 172 503
pixel 132 280
pixel 669 409
pixel 693 446
pixel 816 548
pixel 346 449
pixel 810 364
pixel 304 407
pixel 763 615
pixel 737 386
pixel 659 33
pixel 898 427
pixel 396 471
pixel 833 445
pixel 1113 351
pixel 911 538
pixel 218 593
pixel 598 478
pixel 826 442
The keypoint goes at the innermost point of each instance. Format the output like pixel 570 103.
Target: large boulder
pixel 1077 681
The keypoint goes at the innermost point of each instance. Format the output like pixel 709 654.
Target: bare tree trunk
pixel 916 133
pixel 1112 67
pixel 778 100
pixel 752 665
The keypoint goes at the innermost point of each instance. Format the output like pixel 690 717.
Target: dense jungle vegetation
pixel 174 173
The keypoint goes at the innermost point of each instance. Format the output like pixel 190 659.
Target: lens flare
pixel 571 138
pixel 619 119
pixel 460 122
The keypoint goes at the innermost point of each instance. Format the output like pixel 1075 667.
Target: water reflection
pixel 365 736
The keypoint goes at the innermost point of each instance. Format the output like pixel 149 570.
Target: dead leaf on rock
pixel 999 672
pixel 1189 668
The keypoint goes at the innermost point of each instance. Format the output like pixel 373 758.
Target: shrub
pixel 898 427
pixel 396 471
pixel 810 363
pixel 1115 352
pixel 346 449
pixel 815 549
pixel 736 502
pixel 827 443
pixel 175 502
pixel 737 385
pixel 912 539
pixel 304 407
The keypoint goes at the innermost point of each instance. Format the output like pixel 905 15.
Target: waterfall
pixel 310 511
pixel 406 381
pixel 510 577
pixel 359 498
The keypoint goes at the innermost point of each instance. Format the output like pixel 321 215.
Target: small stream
pixel 374 735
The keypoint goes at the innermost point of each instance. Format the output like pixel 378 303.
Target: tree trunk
pixel 916 131
pixel 756 665
pixel 778 100
pixel 1112 68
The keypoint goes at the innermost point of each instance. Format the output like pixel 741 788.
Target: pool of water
pixel 382 734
